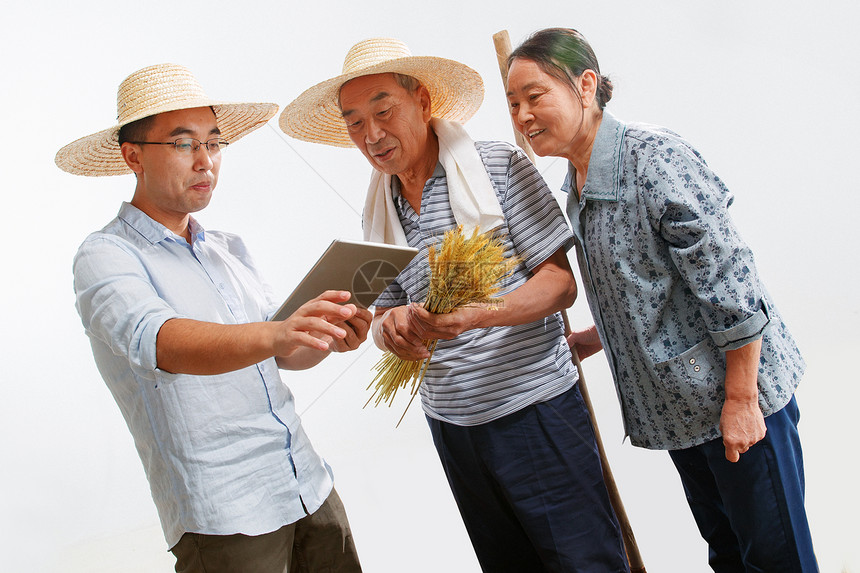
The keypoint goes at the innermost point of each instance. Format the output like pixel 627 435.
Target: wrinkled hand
pixel 356 329
pixel 586 342
pixel 396 333
pixel 742 426
pixel 431 326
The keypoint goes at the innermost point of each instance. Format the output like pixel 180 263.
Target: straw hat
pixel 456 90
pixel 150 91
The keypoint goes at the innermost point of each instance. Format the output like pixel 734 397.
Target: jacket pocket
pixel 694 379
pixel 696 362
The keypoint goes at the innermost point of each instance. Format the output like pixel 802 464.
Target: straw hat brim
pixel 456 93
pixel 99 154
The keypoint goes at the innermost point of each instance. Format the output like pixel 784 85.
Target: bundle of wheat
pixel 463 272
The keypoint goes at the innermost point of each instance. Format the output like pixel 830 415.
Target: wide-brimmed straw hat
pixel 456 90
pixel 150 91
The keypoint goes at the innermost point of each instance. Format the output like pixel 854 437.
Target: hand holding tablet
pixel 364 269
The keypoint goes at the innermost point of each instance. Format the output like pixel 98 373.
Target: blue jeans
pixel 751 512
pixel 530 490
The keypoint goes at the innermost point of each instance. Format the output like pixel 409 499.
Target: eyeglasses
pixel 190 145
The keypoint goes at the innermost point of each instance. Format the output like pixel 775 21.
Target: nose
pixel 374 132
pixel 203 158
pixel 523 115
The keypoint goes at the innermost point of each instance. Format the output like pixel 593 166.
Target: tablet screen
pixel 362 268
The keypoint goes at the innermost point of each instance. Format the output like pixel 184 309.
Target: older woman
pixel 703 363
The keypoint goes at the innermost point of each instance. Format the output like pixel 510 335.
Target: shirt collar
pixel 603 182
pixel 153 231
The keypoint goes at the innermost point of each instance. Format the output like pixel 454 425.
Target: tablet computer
pixel 364 269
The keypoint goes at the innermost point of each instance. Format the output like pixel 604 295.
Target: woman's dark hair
pixel 564 54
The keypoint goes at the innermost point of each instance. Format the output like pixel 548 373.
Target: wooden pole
pixel 633 555
pixel 502 42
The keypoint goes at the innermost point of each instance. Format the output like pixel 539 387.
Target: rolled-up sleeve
pixel 117 303
pixel 689 208
pixel 742 334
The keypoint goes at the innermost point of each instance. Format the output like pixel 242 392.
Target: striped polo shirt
pixel 487 373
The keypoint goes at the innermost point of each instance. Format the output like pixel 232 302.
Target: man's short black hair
pixel 136 130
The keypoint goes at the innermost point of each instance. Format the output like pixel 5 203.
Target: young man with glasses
pixel 177 319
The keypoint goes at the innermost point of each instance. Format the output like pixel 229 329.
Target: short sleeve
pixel 535 221
pixel 394 295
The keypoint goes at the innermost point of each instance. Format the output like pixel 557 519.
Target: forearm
pixel 742 372
pixel 552 288
pixel 186 346
pixel 302 359
pixel 742 422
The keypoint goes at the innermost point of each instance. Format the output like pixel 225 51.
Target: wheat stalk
pixel 463 272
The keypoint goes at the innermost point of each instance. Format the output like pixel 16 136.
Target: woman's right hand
pixel 586 342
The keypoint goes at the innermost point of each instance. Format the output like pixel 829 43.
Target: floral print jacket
pixel 671 285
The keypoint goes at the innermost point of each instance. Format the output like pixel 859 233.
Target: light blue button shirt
pixel 223 454
pixel 672 285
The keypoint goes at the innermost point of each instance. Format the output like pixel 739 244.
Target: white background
pixel 766 90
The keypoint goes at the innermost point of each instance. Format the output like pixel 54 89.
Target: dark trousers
pixel 318 542
pixel 751 512
pixel 530 490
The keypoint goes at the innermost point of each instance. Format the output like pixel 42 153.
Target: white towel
pixel 470 192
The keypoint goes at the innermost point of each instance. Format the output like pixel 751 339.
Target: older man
pixel 177 319
pixel 500 393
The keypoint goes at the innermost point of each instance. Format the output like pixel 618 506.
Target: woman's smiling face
pixel 544 109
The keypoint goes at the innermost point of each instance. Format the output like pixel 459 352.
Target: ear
pixel 424 100
pixel 588 87
pixel 131 154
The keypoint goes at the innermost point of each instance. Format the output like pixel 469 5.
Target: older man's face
pixel 386 122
